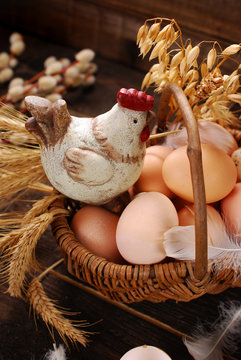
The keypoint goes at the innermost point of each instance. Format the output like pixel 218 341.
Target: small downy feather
pixel 223 336
pixel 179 243
pixel 58 353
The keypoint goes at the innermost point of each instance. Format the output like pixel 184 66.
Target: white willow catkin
pixel 15 93
pixel 16 81
pixel 18 47
pixel 6 74
pixel 49 60
pixel 47 83
pixel 4 58
pixel 54 97
pixel 15 37
pixel 72 72
pixel 85 55
pixel 13 62
pixel 54 67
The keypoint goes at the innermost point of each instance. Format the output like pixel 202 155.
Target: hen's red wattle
pixel 145 134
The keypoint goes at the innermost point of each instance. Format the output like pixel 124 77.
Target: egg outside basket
pixel 171 279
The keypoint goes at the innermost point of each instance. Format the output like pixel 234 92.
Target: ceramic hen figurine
pixel 92 160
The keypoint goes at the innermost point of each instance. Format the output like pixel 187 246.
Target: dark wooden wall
pixel 110 26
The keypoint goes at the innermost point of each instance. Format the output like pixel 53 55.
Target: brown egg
pixel 141 228
pixel 95 228
pixel 159 150
pixel 131 192
pixel 151 175
pixel 220 173
pixel 180 203
pixel 231 211
pixel 215 224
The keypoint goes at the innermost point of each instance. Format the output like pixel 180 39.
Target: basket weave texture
pixel 170 279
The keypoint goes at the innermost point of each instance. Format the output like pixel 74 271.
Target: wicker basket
pixel 171 279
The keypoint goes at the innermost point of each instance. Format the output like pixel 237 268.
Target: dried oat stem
pixel 172 21
pixel 211 94
pixel 166 133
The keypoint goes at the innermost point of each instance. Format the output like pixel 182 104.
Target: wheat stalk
pixel 10 219
pixel 10 112
pixel 20 168
pixel 40 207
pixel 12 125
pixel 21 256
pixel 38 186
pixel 12 183
pixel 8 240
pixel 52 316
pixel 18 220
pixel 12 154
pixel 20 161
pixel 20 243
pixel 14 224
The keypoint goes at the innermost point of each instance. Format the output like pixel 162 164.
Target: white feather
pixel 209 345
pixel 58 353
pixel 179 243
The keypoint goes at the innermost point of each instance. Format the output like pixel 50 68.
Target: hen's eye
pixel 135 121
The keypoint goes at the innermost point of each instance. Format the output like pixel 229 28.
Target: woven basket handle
pixel 195 159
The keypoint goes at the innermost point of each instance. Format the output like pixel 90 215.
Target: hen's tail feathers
pixel 49 122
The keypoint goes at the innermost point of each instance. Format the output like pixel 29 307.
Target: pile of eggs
pixel 162 198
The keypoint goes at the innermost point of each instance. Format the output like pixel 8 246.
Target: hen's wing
pixel 87 167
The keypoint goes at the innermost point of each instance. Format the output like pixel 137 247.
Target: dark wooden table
pixel 115 330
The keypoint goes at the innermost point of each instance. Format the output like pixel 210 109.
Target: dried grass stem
pixel 52 316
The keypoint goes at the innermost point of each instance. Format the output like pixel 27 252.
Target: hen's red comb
pixel 134 100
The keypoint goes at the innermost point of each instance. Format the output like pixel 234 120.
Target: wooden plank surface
pixel 110 26
pixel 114 330
pixel 211 18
